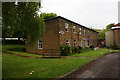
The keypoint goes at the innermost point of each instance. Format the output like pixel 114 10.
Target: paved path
pixel 104 67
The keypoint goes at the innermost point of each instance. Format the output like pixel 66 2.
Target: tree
pixel 109 26
pixel 9 19
pixel 48 15
pixel 26 20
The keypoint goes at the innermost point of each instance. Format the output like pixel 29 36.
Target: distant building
pixel 60 31
pixel 113 35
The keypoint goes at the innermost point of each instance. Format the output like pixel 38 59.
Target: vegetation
pixel 48 15
pixel 109 26
pixel 21 67
pixel 22 20
pixel 65 50
pixel 93 53
pixel 101 34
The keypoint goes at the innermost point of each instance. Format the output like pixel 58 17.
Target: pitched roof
pixel 117 26
pixel 69 21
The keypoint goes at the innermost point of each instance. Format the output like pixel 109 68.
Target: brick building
pixel 60 31
pixel 113 35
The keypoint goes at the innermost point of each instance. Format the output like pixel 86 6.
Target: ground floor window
pixel 86 43
pixel 68 42
pixel 40 46
pixel 75 43
pixel 80 43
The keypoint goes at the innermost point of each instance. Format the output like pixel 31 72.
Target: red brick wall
pixel 117 36
pixel 50 39
pixel 71 36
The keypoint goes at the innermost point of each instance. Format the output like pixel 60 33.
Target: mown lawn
pixel 19 67
pixel 94 53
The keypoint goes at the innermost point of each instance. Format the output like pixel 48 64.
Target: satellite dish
pixel 61 32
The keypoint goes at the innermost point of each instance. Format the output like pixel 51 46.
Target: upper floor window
pixel 74 29
pixel 40 46
pixel 80 30
pixel 75 43
pixel 84 32
pixel 67 27
pixel 68 42
pixel 88 32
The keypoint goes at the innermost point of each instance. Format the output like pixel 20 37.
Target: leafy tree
pixel 109 26
pixel 101 34
pixel 9 19
pixel 48 15
pixel 24 20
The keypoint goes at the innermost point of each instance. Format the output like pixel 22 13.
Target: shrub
pixel 73 49
pixel 65 50
pixel 86 47
pixel 76 49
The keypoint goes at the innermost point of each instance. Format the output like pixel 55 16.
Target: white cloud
pixel 91 13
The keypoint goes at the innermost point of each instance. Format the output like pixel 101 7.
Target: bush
pixel 86 47
pixel 73 50
pixel 76 49
pixel 65 50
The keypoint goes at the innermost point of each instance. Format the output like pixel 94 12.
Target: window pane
pixel 67 27
pixel 74 29
pixel 39 44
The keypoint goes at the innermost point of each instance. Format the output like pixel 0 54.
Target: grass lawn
pixel 19 67
pixel 94 53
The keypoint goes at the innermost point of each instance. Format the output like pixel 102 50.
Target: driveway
pixel 104 67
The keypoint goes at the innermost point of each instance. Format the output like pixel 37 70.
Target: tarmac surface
pixel 107 66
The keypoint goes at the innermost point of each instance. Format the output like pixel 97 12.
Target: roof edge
pixel 70 21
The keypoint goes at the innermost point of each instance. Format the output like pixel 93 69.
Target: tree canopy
pixel 23 19
pixel 48 15
pixel 109 26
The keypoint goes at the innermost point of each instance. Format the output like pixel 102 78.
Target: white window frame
pixel 67 27
pixel 80 43
pixel 74 29
pixel 39 45
pixel 75 43
pixel 80 29
pixel 68 42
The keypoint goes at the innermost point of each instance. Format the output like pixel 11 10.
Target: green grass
pixel 19 67
pixel 94 53
pixel 18 49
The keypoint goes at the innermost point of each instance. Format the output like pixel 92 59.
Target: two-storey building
pixel 60 31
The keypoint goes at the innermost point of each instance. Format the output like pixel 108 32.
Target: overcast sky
pixel 90 13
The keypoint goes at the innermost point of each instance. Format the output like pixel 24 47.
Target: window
pixel 67 27
pixel 75 43
pixel 88 32
pixel 80 43
pixel 80 30
pixel 86 44
pixel 68 42
pixel 40 45
pixel 84 31
pixel 74 29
